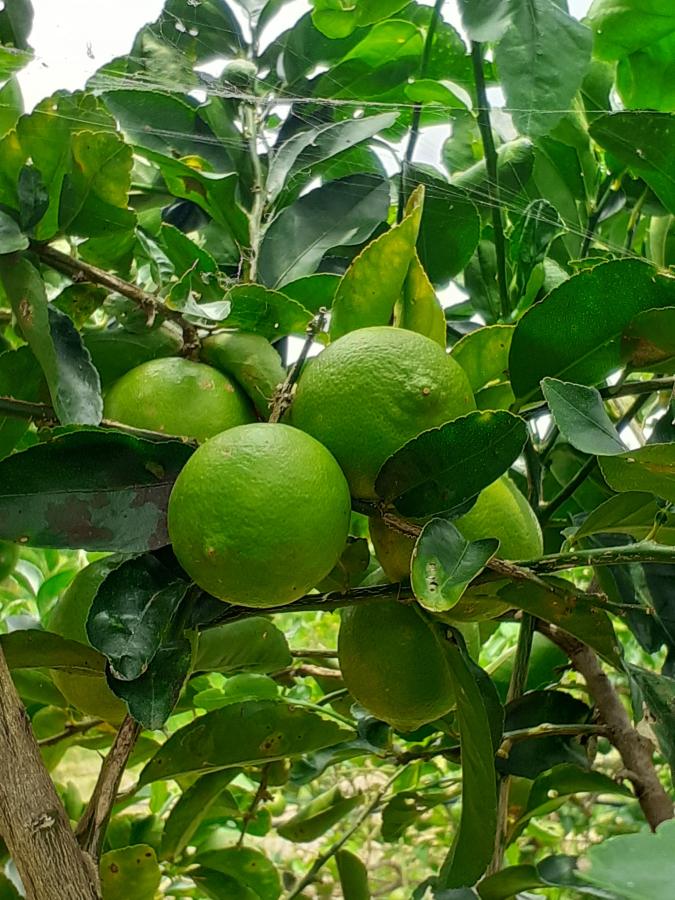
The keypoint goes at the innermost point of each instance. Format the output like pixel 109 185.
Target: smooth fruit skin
pixel 178 396
pixel 373 390
pixel 259 515
pixel 501 511
pixel 393 665
pixel 88 693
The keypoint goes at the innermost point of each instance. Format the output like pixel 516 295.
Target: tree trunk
pixel 33 821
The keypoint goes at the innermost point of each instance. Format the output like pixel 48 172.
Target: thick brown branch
pixel 33 821
pixel 91 827
pixel 635 749
pixel 152 306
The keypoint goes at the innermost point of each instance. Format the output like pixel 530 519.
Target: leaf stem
pixel 78 271
pixel 490 153
pixel 284 395
pixel 547 509
pixel 641 552
pixel 417 108
pixel 605 194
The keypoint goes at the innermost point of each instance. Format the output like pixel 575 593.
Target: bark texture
pixel 33 822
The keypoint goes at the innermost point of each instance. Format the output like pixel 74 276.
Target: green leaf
pixel 191 808
pixel 514 167
pixel 581 417
pixel 256 309
pixel 152 696
pixel 574 334
pixel 419 308
pixel 314 291
pixel 217 885
pixel 552 871
pixel 621 27
pixel 131 614
pixel 73 381
pixel 345 211
pixel 79 302
pixel 649 341
pixel 251 645
pixel 444 467
pixel 117 501
pixel 353 876
pixel 473 844
pixel 632 513
pixel 318 816
pixel 22 378
pixel 249 868
pixel 115 350
pixel 645 143
pixel 373 282
pixel 249 733
pixel 12 239
pixel 645 79
pixel 16 22
pixel 484 356
pixel 350 569
pixel 236 689
pixel 449 230
pixel 542 59
pixel 444 564
pixel 131 873
pixel 337 20
pixel 485 20
pixel 305 149
pixel 650 468
pixel 634 866
pixel 659 694
pixel 30 648
pixel 573 614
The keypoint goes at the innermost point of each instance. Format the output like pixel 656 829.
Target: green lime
pixel 393 665
pixel 88 693
pixel 372 391
pixel 259 515
pixel 178 396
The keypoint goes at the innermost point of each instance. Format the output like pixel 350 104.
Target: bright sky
pixel 72 38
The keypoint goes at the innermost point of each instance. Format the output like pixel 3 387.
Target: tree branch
pixel 490 153
pixel 613 392
pixel 641 552
pixel 69 731
pixel 635 749
pixel 80 271
pixel 92 826
pixel 33 821
pixel 284 395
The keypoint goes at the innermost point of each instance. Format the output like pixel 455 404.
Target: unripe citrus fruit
pixel 393 664
pixel 178 396
pixel 259 514
pixel 372 391
pixel 501 511
pixel 88 693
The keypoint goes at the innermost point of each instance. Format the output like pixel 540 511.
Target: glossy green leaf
pixel 250 868
pixel 581 417
pixel 30 648
pixel 542 59
pixel 444 467
pixel 405 809
pixel 645 143
pixel 318 816
pixel 658 692
pixel 634 866
pixel 353 876
pixel 216 885
pixel 152 696
pixel 131 613
pixel 131 873
pixel 118 501
pixel 574 334
pixel 33 196
pixel 419 308
pixel 345 211
pixel 314 291
pixel 373 282
pixel 350 569
pixel 573 614
pixel 250 733
pixel 250 645
pixel 550 872
pixel 444 563
pixel 336 20
pixel 645 79
pixel 115 350
pixel 621 27
pixel 649 341
pixel 236 689
pixel 256 309
pixel 12 239
pixel 484 356
pixel 79 302
pixel 305 149
pixel 473 843
pixel 515 160
pixel 485 20
pixel 633 513
pixel 22 378
pixel 73 381
pixel 191 808
pixel 650 468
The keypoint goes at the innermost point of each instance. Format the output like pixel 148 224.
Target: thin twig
pixel 306 670
pixel 636 750
pixel 548 729
pixel 546 510
pixel 314 654
pixel 79 271
pixel 91 828
pixel 485 128
pixel 641 552
pixel 605 194
pixel 613 392
pixel 284 394
pixel 260 795
pixel 69 731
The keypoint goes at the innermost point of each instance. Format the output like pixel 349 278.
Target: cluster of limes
pixel 261 512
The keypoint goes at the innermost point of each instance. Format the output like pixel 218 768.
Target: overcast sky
pixel 72 38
